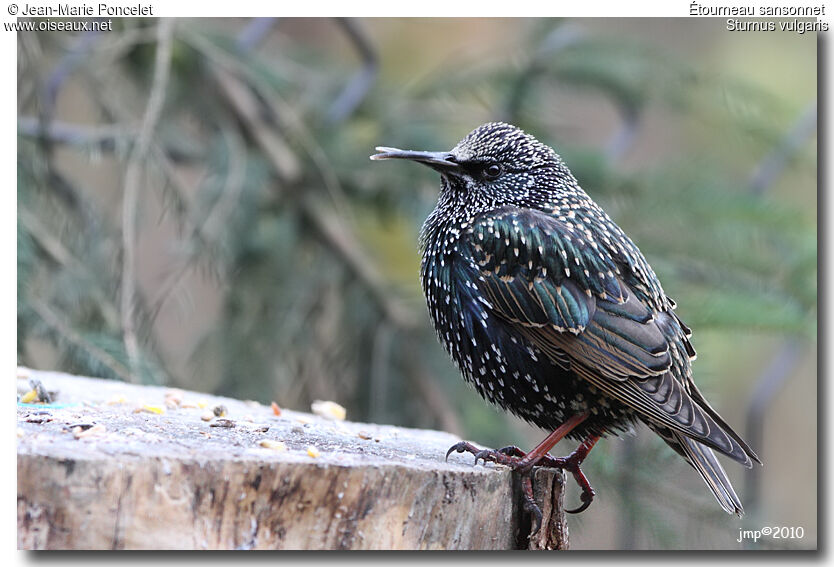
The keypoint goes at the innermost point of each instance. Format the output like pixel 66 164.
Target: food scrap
pixel 329 410
pixel 80 432
pixel 275 409
pixel 173 398
pixel 274 445
pixel 313 452
pixel 29 397
pixel 147 408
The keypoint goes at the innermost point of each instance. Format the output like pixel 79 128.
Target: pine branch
pixel 211 229
pixel 56 249
pixel 64 329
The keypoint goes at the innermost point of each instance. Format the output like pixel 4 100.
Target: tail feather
pixel 701 401
pixel 703 460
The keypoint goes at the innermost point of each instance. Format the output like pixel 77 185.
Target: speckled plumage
pixel 550 310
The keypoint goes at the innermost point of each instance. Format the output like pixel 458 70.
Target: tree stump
pixel 109 465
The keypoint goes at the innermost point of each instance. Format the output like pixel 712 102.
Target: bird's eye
pixel 493 171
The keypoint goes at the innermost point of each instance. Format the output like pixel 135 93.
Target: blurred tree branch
pixel 783 364
pixel 331 227
pixel 254 33
pixel 105 138
pixel 358 87
pixel 556 40
pixel 136 162
pixel 774 163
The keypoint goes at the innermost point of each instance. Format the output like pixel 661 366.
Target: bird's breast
pixel 502 365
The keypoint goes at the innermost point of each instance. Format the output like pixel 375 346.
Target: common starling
pixel 551 312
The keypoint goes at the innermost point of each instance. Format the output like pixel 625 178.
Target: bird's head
pixel 495 164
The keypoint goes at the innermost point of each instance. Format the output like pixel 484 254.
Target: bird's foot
pixel 517 460
pixel 512 457
pixel 569 463
pixel 509 456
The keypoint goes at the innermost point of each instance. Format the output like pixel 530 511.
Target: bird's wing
pixel 540 275
pixel 570 299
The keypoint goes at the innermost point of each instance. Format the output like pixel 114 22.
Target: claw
pixel 587 498
pixel 459 447
pixel 530 505
pixel 536 512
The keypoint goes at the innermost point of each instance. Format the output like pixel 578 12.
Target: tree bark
pixel 549 493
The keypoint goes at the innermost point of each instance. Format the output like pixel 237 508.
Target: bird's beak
pixel 444 162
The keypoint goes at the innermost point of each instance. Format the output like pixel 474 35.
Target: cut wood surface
pixel 109 465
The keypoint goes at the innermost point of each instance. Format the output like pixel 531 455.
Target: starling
pixel 551 312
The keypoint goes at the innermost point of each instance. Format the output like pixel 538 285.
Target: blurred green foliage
pixel 276 262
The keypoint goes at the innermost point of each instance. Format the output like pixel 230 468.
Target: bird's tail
pixel 703 460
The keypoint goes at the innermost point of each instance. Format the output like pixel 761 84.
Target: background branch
pixel 136 162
